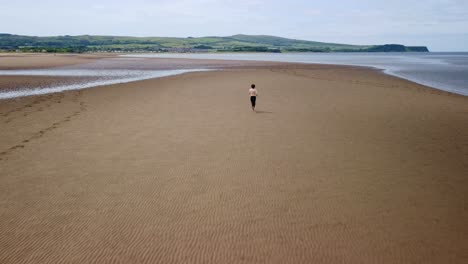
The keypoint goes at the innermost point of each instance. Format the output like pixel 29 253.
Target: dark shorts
pixel 253 99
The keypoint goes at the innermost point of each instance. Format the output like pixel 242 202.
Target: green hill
pixel 236 43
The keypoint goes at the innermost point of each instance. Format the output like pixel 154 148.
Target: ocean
pixel 446 71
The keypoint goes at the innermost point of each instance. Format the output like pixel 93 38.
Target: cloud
pixel 331 20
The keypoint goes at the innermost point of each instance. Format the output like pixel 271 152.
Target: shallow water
pixel 446 71
pixel 105 77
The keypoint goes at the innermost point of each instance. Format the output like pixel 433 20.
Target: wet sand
pixel 13 61
pixel 339 165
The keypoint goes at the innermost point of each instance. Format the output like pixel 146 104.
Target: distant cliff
pixel 397 48
pixel 417 49
pixel 236 43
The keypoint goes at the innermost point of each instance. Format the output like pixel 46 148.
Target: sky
pixel 442 25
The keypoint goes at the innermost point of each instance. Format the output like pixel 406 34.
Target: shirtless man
pixel 253 96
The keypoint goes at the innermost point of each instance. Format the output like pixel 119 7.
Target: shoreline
pixel 18 93
pixel 215 64
pixel 463 90
pixel 420 82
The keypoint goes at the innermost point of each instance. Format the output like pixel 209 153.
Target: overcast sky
pixel 442 25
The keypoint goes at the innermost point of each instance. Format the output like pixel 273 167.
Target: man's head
pixel 253 86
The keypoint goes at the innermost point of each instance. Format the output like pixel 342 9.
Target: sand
pixel 12 83
pixel 13 61
pixel 339 165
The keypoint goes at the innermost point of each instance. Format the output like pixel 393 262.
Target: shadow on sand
pixel 263 112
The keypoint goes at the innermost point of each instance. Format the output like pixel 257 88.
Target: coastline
pixel 334 59
pixel 71 61
pixel 429 85
pixel 339 164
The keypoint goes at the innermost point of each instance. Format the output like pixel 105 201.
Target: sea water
pixel 446 71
